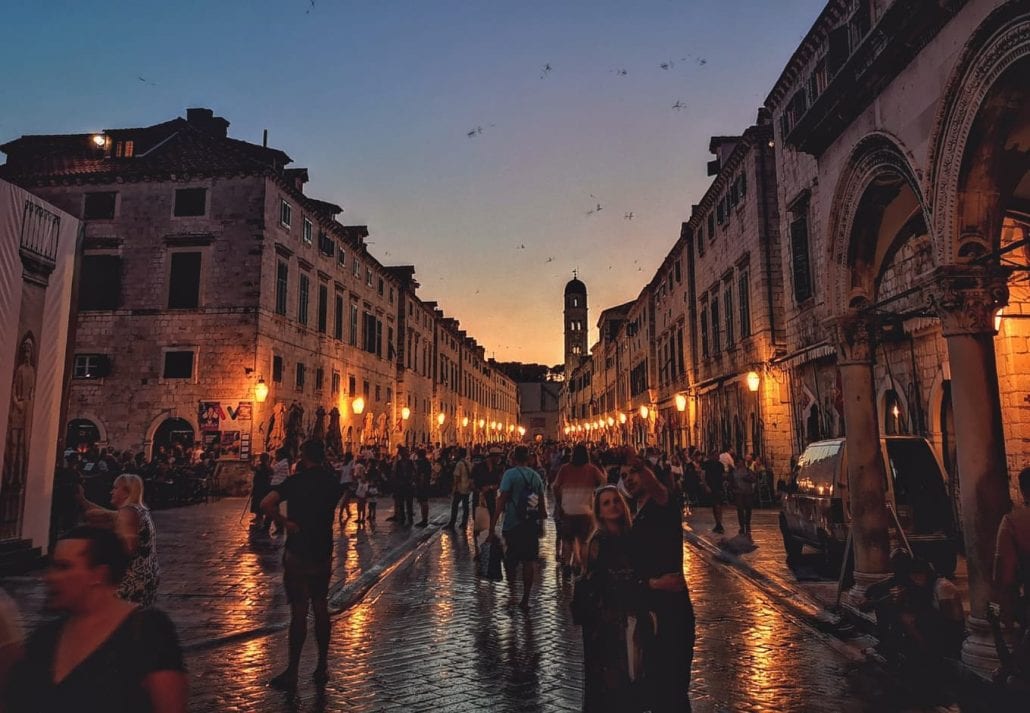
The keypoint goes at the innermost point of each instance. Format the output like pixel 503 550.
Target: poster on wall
pixel 209 416
pixel 230 445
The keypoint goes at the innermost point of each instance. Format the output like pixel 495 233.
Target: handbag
pixel 490 555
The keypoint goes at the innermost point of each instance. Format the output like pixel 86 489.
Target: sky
pixel 568 104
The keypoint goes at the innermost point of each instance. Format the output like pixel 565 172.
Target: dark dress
pixel 262 484
pixel 607 683
pixel 109 680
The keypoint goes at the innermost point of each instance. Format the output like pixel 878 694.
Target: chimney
pixel 205 120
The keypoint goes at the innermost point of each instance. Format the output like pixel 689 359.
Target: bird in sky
pixel 701 61
pixel 666 65
pixel 308 11
pixel 545 71
pixel 472 133
pixel 628 216
pixel 521 247
pixel 145 80
pixel 550 259
pixel 679 105
pixel 621 72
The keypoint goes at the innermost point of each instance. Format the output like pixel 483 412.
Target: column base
pixel 979 652
pixel 856 595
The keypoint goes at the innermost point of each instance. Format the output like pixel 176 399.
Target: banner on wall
pixel 226 428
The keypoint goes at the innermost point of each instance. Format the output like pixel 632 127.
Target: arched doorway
pixel 81 434
pixel 171 433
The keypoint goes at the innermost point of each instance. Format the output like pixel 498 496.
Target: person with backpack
pixel 522 501
pixel 461 487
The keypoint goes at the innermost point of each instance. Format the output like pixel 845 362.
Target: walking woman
pixel 131 522
pixel 615 625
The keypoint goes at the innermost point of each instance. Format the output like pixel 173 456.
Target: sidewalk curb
pixel 341 596
pixel 796 604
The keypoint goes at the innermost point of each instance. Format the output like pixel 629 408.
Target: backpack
pixel 527 505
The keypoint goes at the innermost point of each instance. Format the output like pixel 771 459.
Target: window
pixel 99 205
pixel 277 369
pixel 306 233
pixel 302 298
pixel 326 245
pixel 380 289
pixel 302 373
pixel 727 305
pixel 368 276
pixel 390 353
pixel 184 281
pixel 365 390
pixel 700 241
pixel 391 295
pixel 379 392
pixel 336 383
pixel 744 297
pixel 389 395
pixel 714 313
pixel 734 197
pixel 704 324
pixel 720 211
pixel 338 323
pixel 677 272
pixel 742 185
pixel 281 283
pixel 91 366
pixel 373 342
pixel 190 202
pixel 323 307
pixel 352 385
pixel 100 282
pixel 357 268
pixel 341 256
pixel 711 226
pixel 124 149
pixel 801 267
pixel 178 365
pixel 353 325
pixel 319 379
pixel 285 214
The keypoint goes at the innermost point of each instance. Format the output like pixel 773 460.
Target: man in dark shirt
pixel 403 488
pixel 486 477
pixel 713 483
pixel 312 495
pixel 656 541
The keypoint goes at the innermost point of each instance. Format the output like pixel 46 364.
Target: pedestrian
pixel 262 481
pixel 573 490
pixel 423 484
pixel 132 523
pixel 280 472
pixel 403 488
pixel 103 653
pixel 615 624
pixel 743 480
pixel 372 498
pixel 486 477
pixel 349 472
pixel 657 551
pixel 312 495
pixel 522 501
pixel 713 483
pixel 461 487
pixel 361 496
pixel 1012 573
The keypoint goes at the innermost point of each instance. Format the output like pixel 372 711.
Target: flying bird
pixel 666 65
pixel 550 259
pixel 521 247
pixel 621 72
pixel 628 216
pixel 472 133
pixel 545 71
pixel 145 80
pixel 679 105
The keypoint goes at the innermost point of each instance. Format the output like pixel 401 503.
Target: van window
pixel 819 465
pixel 919 485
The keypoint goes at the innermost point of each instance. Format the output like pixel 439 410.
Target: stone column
pixel 866 472
pixel 967 298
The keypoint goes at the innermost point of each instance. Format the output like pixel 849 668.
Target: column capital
pixel 966 297
pixel 854 334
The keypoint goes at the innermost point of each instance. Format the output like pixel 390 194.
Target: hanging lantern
pixel 261 391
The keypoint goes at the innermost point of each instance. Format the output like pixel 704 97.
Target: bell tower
pixel 575 315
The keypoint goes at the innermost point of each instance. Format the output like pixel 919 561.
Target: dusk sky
pixel 376 99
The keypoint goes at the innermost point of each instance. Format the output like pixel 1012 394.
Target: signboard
pixel 226 428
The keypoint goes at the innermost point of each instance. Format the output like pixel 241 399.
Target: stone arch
pixel 95 420
pixel 878 167
pixel 993 50
pixel 888 385
pixel 189 416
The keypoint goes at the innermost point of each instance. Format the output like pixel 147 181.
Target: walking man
pixel 403 488
pixel 521 500
pixel 486 477
pixel 461 487
pixel 307 561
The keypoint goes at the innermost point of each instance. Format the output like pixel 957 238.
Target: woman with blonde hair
pixel 610 608
pixel 132 523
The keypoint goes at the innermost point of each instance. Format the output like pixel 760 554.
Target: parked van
pixel 816 507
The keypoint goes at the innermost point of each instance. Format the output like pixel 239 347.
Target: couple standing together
pixel 632 601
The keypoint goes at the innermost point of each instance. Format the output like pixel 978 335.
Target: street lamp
pixel 644 412
pixel 622 418
pixel 522 431
pixel 358 406
pixel 681 402
pixel 261 391
pixel 405 413
pixel 464 421
pixel 753 381
pixel 611 422
pixel 440 418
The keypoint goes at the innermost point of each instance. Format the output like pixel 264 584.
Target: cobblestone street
pixel 432 637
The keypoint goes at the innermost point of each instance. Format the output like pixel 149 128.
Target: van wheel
pixel 791 545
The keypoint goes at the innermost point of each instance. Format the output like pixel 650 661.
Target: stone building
pixel 210 278
pixel 902 131
pixel 538 407
pixel 673 315
pixel 736 292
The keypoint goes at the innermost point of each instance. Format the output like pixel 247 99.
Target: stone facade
pixel 206 270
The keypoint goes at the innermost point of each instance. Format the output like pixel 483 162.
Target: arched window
pixel 895 418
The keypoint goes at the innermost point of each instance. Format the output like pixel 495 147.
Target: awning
pixel 803 356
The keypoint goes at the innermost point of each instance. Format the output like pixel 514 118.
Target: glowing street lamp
pixel 261 391
pixel 440 418
pixel 753 381
pixel 622 418
pixel 482 422
pixel 681 402
pixel 358 406
pixel 611 422
pixel 522 430
pixel 464 421
pixel 644 412
pixel 99 140
pixel 405 413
